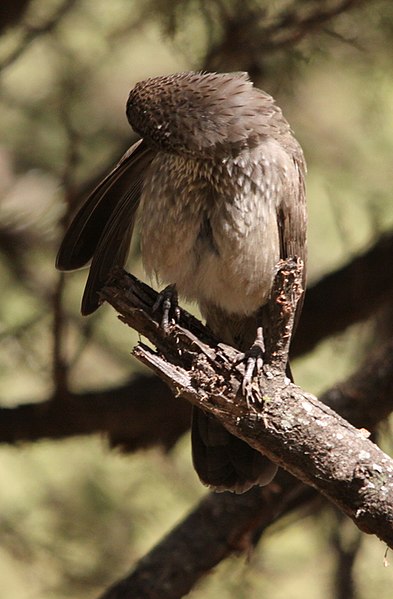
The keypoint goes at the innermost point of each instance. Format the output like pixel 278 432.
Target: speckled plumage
pixel 204 115
pixel 231 261
pixel 219 181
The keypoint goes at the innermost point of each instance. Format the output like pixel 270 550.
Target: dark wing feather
pixel 113 246
pixel 84 232
pixel 292 225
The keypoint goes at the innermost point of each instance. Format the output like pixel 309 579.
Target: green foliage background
pixel 74 515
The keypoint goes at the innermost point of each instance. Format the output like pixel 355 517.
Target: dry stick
pixel 287 424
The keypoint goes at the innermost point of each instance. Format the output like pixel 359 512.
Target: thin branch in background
pixel 133 414
pixel 349 41
pixel 20 329
pixel 11 12
pixel 345 540
pixel 293 26
pixel 31 33
pixel 348 295
pixel 286 28
pixel 15 243
pixel 127 28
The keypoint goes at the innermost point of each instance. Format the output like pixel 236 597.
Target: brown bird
pixel 218 181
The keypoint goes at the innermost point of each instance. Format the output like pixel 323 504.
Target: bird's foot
pixel 167 302
pixel 253 362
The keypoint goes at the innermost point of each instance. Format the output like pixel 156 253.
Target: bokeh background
pixel 75 514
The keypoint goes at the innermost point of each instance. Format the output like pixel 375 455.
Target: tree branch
pixel 287 424
pixel 346 296
pixel 11 12
pixel 31 33
pixel 225 523
pixel 222 524
pixel 136 415
pixel 247 34
pixel 108 411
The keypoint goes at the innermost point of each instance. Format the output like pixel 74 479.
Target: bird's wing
pixel 85 230
pixel 292 223
pixel 103 227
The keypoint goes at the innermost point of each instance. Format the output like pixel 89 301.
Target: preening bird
pixel 217 182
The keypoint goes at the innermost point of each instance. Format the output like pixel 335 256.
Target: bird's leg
pixel 253 362
pixel 167 301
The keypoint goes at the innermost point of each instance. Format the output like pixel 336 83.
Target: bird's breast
pixel 211 228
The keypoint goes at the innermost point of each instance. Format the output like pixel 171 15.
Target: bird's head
pixel 204 115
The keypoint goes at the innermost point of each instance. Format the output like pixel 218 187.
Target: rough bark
pixel 224 523
pixel 289 425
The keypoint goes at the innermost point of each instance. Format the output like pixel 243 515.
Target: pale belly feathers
pixel 217 242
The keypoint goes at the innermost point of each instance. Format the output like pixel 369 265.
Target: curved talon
pixel 167 300
pixel 253 362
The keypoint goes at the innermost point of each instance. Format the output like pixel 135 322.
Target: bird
pixel 217 184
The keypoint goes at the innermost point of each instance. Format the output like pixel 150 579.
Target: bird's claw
pixel 167 301
pixel 253 362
